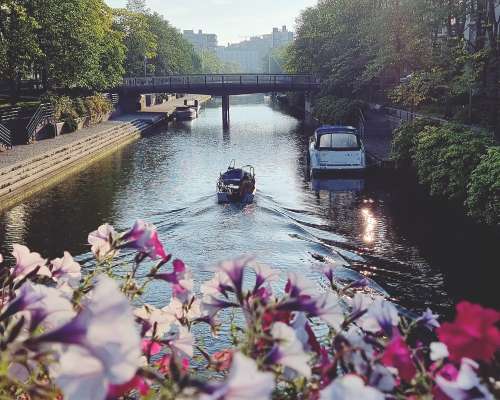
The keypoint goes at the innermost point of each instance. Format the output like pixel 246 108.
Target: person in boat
pixel 246 185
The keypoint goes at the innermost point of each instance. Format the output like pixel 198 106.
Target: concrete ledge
pixel 27 177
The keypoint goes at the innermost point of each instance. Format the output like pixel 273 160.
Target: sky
pixel 231 20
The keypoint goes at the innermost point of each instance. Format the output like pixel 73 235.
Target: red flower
pixel 474 333
pixel 397 354
pixel 150 347
pixel 222 360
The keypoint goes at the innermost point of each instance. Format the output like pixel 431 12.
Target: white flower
pixel 360 303
pixel 289 351
pixel 299 323
pixel 104 345
pixel 27 262
pixel 466 382
pixel 153 315
pixel 350 387
pixel 381 315
pixel 245 382
pixel 182 342
pixel 439 351
pixel 219 284
pixel 177 310
pixel 66 270
pixel 330 310
pixel 101 241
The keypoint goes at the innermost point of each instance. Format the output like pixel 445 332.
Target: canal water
pixel 421 255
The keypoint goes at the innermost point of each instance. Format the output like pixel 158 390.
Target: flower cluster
pixel 88 334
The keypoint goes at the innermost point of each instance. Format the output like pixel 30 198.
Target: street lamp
pixel 145 67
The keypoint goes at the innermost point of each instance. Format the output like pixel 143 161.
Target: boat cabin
pixel 337 138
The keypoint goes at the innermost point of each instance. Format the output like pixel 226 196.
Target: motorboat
pixel 336 148
pixel 236 185
pixel 185 113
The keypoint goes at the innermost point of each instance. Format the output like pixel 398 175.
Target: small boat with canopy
pixel 236 185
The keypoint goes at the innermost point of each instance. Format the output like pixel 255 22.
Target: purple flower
pixel 263 274
pixel 288 350
pixel 27 262
pixel 235 269
pixel 381 316
pixel 143 237
pixel 102 242
pixel 429 320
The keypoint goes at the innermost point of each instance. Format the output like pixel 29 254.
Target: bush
pixel 63 108
pixel 70 124
pixel 483 195
pixel 98 105
pixel 445 157
pixel 80 108
pixel 404 141
pixel 333 110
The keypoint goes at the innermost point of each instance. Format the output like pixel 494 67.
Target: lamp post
pixel 145 67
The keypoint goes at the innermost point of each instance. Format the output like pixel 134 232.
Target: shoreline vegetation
pixel 437 59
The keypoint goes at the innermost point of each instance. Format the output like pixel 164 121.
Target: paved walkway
pixel 378 134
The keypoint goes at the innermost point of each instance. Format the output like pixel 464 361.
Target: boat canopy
pixel 337 137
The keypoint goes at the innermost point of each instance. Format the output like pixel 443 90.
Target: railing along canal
pixel 43 115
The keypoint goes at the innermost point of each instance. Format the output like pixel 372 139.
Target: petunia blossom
pixel 234 269
pixel 155 317
pixel 381 315
pixel 27 262
pixel 244 382
pixel 67 270
pixel 143 237
pixel 104 344
pixel 288 350
pixel 263 274
pixel 466 385
pixel 439 351
pixel 474 334
pixel 182 342
pixel 398 355
pixel 350 387
pixel 102 242
pixel 429 320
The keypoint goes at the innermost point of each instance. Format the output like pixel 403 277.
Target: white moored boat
pixel 185 113
pixel 236 185
pixel 335 148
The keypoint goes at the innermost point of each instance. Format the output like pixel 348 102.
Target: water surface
pixel 419 254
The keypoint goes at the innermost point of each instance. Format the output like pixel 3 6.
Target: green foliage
pixel 70 124
pixel 483 195
pixel 98 106
pixel 405 141
pixel 445 157
pixel 334 110
pixel 79 107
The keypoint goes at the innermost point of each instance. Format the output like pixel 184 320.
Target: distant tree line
pixel 442 57
pixel 85 44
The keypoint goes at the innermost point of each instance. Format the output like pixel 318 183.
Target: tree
pixel 141 44
pixel 18 44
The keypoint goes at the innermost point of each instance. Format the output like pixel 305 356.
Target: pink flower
pixel 144 238
pixel 27 262
pixel 222 360
pixel 150 347
pixel 473 334
pixel 397 354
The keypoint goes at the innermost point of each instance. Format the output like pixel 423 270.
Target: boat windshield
pixel 339 141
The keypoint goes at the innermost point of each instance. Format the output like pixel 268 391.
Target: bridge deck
pixel 222 84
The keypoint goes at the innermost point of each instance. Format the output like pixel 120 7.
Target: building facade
pixel 201 41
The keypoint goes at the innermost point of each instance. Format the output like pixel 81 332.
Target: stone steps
pixel 35 171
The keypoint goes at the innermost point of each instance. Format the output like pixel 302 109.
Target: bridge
pixel 223 85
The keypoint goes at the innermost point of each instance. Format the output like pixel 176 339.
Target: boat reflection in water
pixel 338 184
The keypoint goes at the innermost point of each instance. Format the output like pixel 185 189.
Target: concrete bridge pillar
pixel 129 102
pixel 225 111
pixel 308 108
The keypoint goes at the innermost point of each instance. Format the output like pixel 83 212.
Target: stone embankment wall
pixel 20 179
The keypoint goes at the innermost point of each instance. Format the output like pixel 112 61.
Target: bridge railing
pixel 222 80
